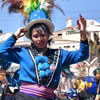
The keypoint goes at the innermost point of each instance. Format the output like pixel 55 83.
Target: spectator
pixel 1 90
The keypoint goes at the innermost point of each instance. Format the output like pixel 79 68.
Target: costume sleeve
pixel 71 57
pixel 7 52
pixel 4 64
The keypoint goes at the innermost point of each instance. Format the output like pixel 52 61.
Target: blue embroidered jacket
pixel 21 56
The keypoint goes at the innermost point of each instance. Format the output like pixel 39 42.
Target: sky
pixel 90 9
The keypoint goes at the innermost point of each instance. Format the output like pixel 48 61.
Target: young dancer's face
pixel 40 40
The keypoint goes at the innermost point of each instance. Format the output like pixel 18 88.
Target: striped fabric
pixel 37 90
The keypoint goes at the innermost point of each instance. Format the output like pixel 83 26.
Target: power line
pixel 70 11
pixel 9 20
pixel 84 11
pixel 53 18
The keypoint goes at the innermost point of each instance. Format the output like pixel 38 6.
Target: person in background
pixel 1 90
pixel 97 76
pixel 98 93
pixel 12 80
pixel 41 66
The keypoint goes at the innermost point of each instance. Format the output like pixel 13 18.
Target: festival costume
pixel 72 93
pixel 28 73
pixel 83 85
pixel 93 87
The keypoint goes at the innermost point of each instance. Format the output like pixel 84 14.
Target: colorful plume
pixel 26 7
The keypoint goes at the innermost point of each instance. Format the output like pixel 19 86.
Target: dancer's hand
pixel 20 32
pixel 82 27
pixel 81 23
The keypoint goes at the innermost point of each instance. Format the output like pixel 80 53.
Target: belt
pixel 37 90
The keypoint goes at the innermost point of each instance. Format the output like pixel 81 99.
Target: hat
pixel 38 16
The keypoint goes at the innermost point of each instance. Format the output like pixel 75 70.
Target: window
pixel 60 34
pixel 66 46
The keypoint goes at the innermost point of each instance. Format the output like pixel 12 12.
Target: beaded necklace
pixel 45 66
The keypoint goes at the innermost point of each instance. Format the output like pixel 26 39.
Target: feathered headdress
pixel 26 7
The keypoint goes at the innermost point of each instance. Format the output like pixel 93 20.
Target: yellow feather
pixel 20 10
pixel 26 2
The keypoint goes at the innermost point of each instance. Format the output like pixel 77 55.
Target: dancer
pixel 40 66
